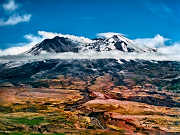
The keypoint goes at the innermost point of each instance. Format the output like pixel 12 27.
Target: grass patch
pixel 28 107
pixel 29 122
pixel 5 109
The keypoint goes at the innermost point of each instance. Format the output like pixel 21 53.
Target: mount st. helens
pixel 64 44
pixel 89 96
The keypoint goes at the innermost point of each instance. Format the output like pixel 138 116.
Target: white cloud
pixel 50 35
pixel 10 5
pixel 15 19
pixel 156 42
pixel 114 54
pixel 171 50
pixel 32 40
pixel 108 34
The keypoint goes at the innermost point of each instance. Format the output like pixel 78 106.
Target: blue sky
pixel 134 18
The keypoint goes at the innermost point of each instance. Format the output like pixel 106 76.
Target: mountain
pixel 64 44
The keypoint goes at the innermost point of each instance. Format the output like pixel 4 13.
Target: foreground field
pixel 73 106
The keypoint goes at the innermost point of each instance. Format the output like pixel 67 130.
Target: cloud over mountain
pixel 107 34
pixel 50 35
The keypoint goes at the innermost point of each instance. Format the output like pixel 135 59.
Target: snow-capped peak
pixel 111 41
pixel 117 38
pixel 106 42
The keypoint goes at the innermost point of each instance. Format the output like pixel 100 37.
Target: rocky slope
pixel 130 73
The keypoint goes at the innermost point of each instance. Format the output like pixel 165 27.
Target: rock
pixel 97 95
pixel 134 116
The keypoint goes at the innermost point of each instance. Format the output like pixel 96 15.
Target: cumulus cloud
pixel 10 5
pixel 170 52
pixel 156 42
pixel 159 42
pixel 32 40
pixel 15 19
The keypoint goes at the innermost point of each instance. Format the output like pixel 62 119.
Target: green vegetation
pixel 174 88
pixel 61 120
pixel 29 122
pixel 4 109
